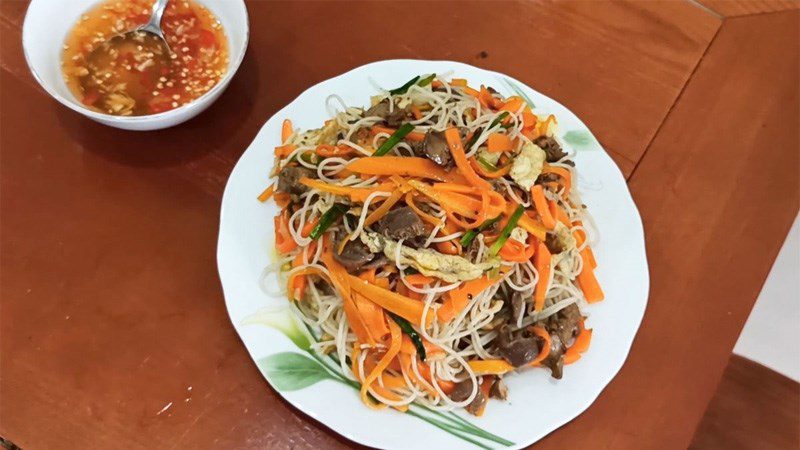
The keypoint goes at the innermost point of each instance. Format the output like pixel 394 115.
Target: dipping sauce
pixel 136 77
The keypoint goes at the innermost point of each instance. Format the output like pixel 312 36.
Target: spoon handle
pixel 155 19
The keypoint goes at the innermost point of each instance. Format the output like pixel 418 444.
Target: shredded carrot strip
pixel 498 204
pixel 540 202
pixel 381 211
pixel 581 345
pixel 325 187
pixel 459 298
pixel 565 174
pixel 528 224
pixel 407 166
pixel 530 133
pixel 490 366
pixel 284 242
pixel 487 99
pixel 499 173
pixel 457 150
pixel 469 91
pixel 341 280
pixel 286 130
pixel 485 387
pixel 586 253
pixel 542 333
pixel 355 358
pixel 499 142
pixel 512 105
pixel 327 151
pixel 452 218
pixel 391 381
pixel 413 136
pixel 461 204
pixel 309 226
pixel 401 305
pixel 588 283
pixel 430 348
pixel 541 261
pixel 405 363
pixel 297 282
pixel 451 197
pixel 451 247
pixel 544 127
pixel 583 340
pixel 558 212
pixel 416 112
pixel 282 151
pixel 394 348
pixel 528 118
pixel 264 196
pixel 515 251
pixel 374 317
pixel 355 194
pixel 457 188
pixel 484 211
pixel 501 366
pixel 460 82
pixel 282 199
pixel 424 370
pixel 419 279
pixel 409 198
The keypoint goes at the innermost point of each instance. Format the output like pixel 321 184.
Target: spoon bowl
pixel 153 26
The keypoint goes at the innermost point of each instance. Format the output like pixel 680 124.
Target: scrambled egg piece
pixel 449 268
pixel 565 237
pixel 528 165
pixel 328 134
pixel 565 240
pixel 519 234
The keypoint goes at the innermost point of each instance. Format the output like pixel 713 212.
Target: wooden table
pixel 111 305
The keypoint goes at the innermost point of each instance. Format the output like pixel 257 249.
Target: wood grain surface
pixel 111 307
pixel 733 8
pixel 754 407
pixel 727 152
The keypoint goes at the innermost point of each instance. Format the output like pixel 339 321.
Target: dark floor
pixel 754 408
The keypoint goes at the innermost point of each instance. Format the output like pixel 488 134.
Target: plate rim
pixel 638 225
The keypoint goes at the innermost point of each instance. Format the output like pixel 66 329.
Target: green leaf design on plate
pixel 281 319
pixel 290 371
pixel 518 90
pixel 581 140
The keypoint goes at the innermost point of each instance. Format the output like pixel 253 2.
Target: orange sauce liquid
pixel 135 77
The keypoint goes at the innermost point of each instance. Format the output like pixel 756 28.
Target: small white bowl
pixel 47 24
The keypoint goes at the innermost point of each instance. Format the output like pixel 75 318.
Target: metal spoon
pixel 149 34
pixel 153 26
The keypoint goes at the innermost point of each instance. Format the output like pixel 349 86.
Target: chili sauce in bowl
pixel 139 76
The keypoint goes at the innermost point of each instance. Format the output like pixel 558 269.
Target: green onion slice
pixel 406 327
pixel 329 218
pixel 396 137
pixel 512 222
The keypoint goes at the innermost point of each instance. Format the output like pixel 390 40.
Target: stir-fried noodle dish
pixel 434 242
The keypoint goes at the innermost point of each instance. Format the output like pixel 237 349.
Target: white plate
pixel 245 248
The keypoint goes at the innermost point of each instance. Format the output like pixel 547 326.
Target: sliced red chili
pixel 91 97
